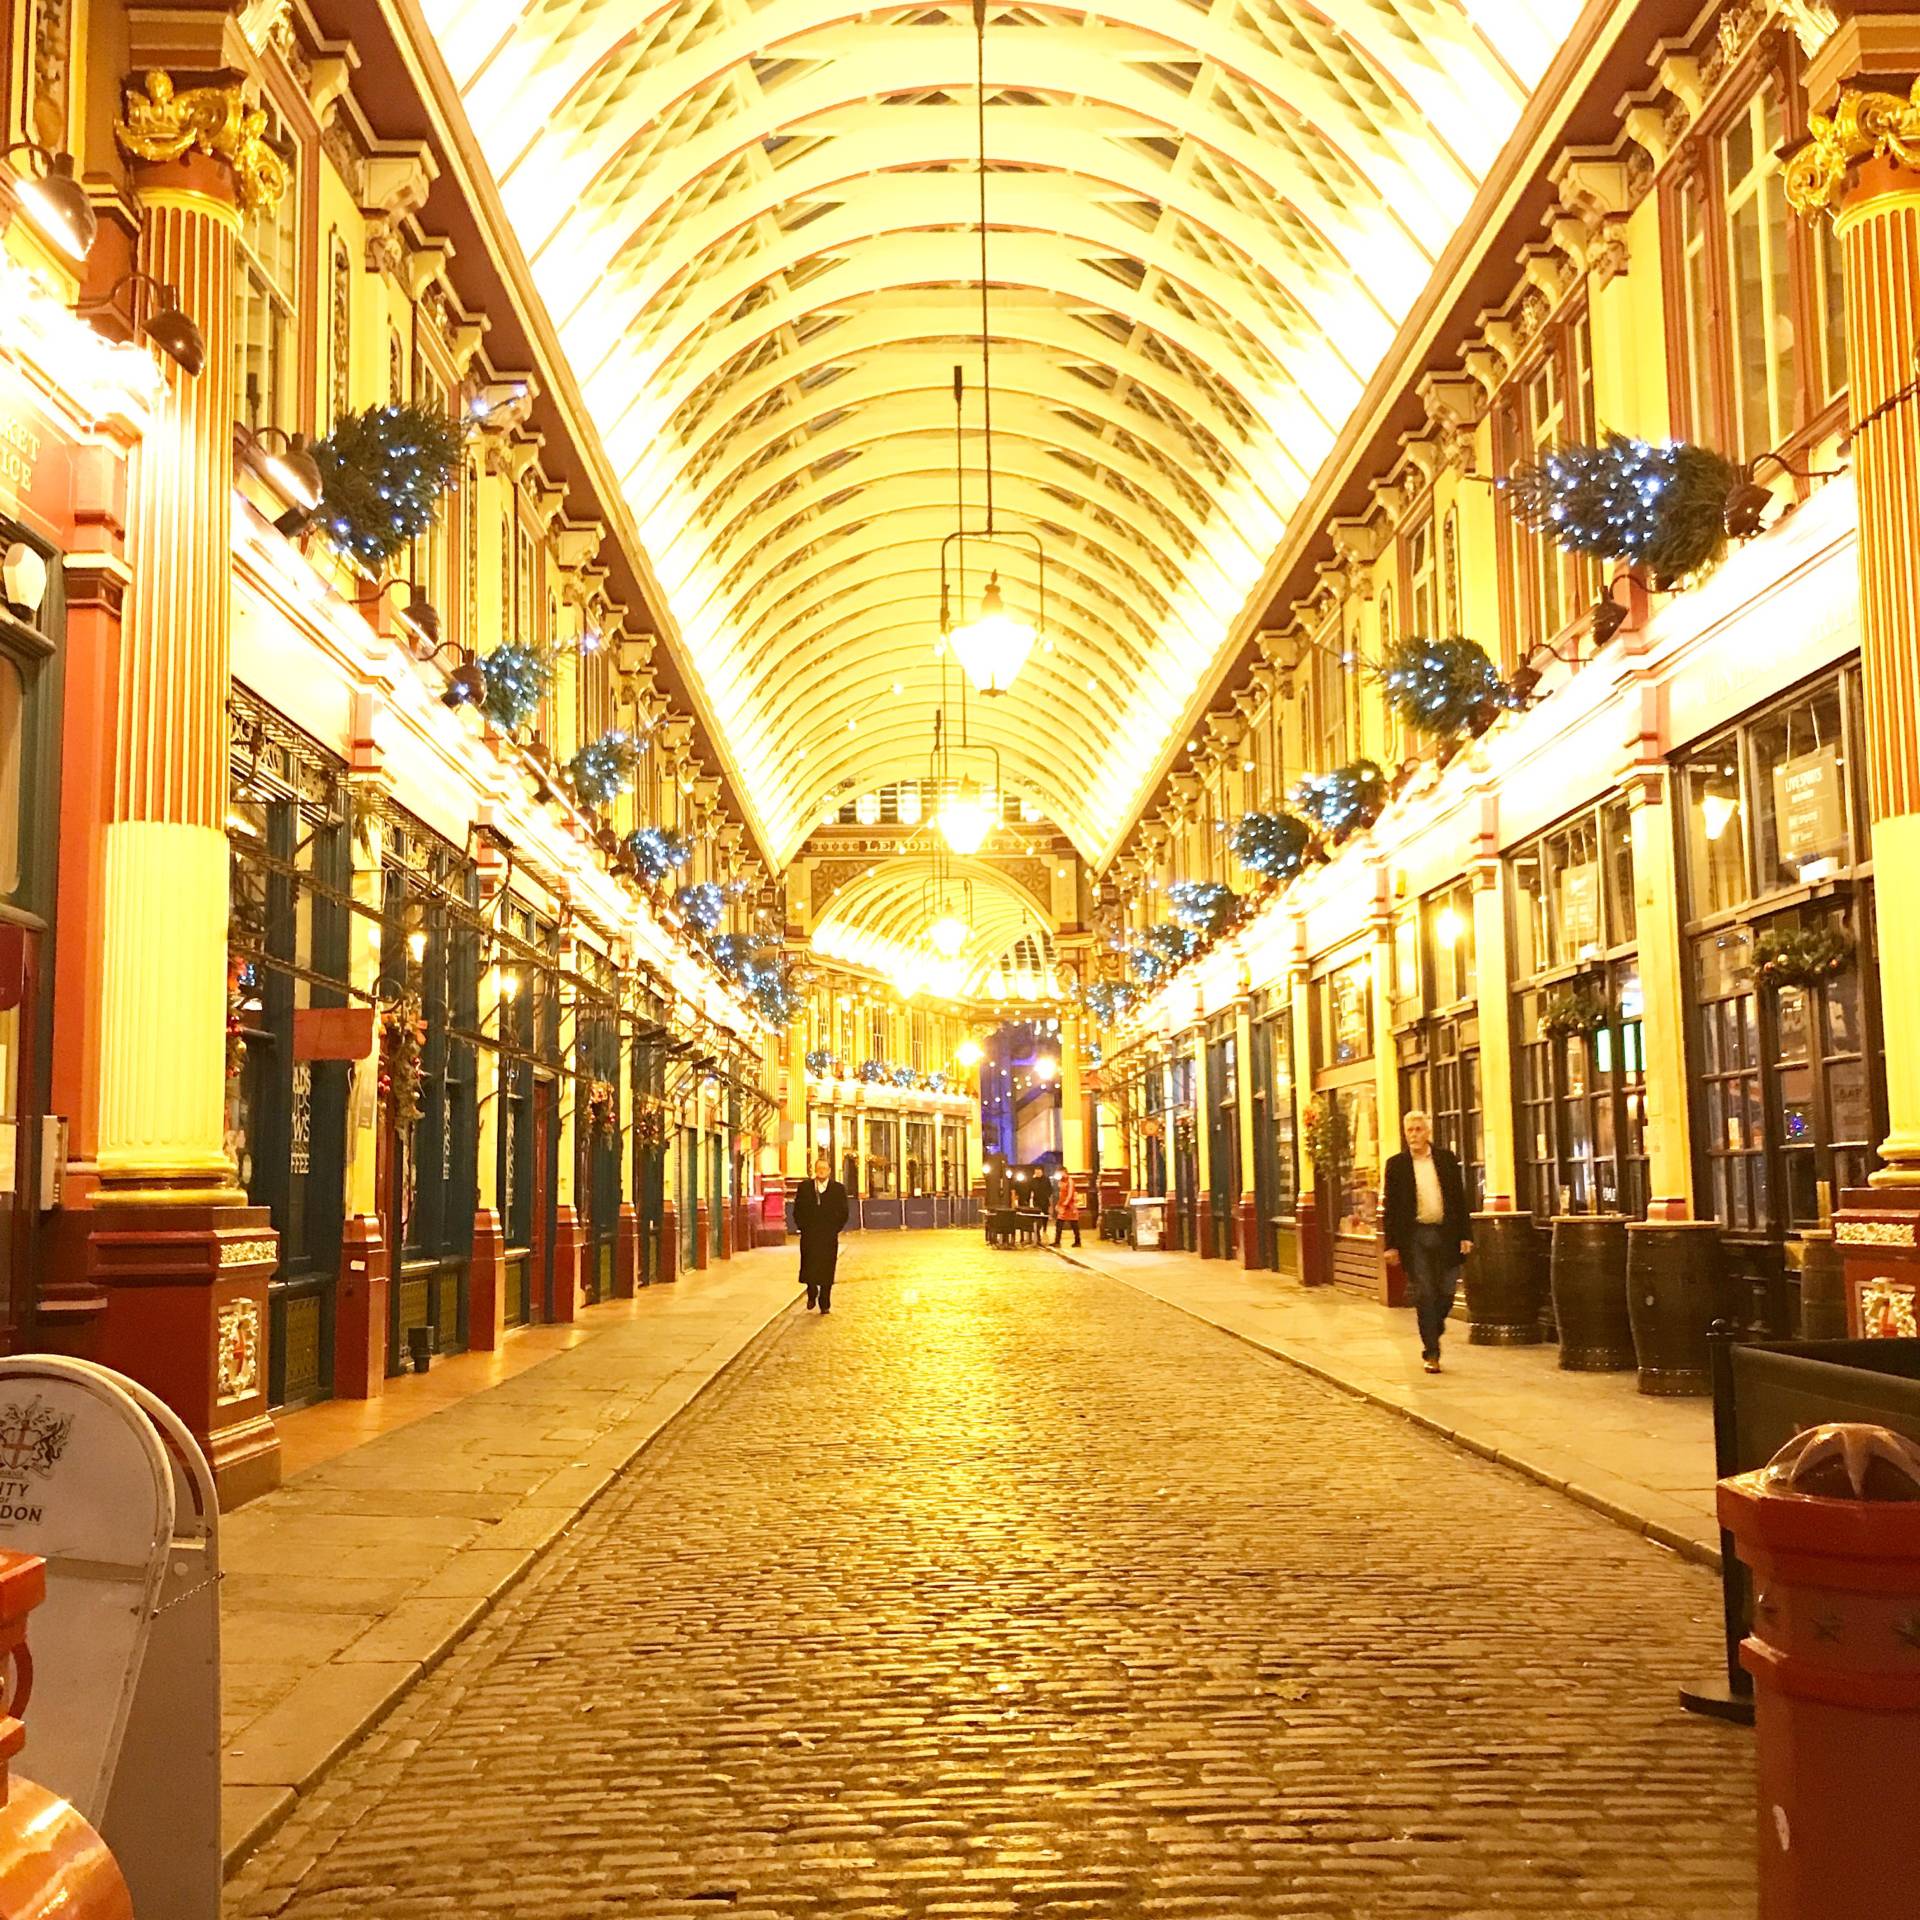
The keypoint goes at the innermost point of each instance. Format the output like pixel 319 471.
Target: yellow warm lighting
pixel 948 934
pixel 1448 927
pixel 968 1053
pixel 867 808
pixel 1716 810
pixel 994 647
pixel 417 946
pixel 907 801
pixel 1045 1067
pixel 965 819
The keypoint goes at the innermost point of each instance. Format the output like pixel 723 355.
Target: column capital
pixel 163 125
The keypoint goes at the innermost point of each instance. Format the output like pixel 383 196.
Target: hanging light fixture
pixel 54 201
pixel 947 935
pixel 994 647
pixel 965 818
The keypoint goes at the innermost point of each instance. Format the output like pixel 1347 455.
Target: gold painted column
pixel 183 1259
pixel 1861 170
pixel 1492 960
pixel 1663 994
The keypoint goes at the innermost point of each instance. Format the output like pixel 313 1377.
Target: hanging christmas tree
pixel 702 904
pixel 779 991
pixel 1343 801
pixel 658 851
pixel 517 681
pixel 1149 968
pixel 603 768
pixel 1204 906
pixel 1275 844
pixel 1663 507
pixel 382 473
pixel 1172 942
pixel 1108 1001
pixel 1444 687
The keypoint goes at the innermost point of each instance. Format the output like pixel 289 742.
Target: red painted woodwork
pixel 702 1228
pixel 487 1284
pixel 1204 1216
pixel 360 1313
pixel 726 1230
pixel 1249 1218
pixel 1836 1694
pixel 626 1252
pixel 563 1301
pixel 180 1282
pixel 668 1265
pixel 1316 1262
pixel 1881 1273
pixel 333 1033
pixel 771 1228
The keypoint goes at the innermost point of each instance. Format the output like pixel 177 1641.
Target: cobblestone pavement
pixel 1009 1591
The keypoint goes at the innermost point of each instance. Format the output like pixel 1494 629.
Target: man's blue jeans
pixel 1433 1274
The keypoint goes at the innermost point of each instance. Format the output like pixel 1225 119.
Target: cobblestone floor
pixel 1009 1591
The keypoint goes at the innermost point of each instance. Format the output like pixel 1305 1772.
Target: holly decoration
pixel 1274 844
pixel 1444 687
pixel 1802 956
pixel 517 681
pixel 1661 506
pixel 1204 906
pixel 1344 801
pixel 382 472
pixel 650 1125
pixel 658 851
pixel 603 768
pixel 403 1039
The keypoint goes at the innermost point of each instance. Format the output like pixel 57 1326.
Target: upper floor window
pixel 1327 700
pixel 267 301
pixel 1759 316
pixel 1548 404
pixel 1423 582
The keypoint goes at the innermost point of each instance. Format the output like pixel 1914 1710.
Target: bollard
pixel 1830 1530
pixel 51 1861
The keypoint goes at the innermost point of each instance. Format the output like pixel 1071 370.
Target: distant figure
pixel 820 1212
pixel 1428 1228
pixel 1066 1209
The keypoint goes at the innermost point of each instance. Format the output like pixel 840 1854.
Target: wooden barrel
pixel 1506 1281
pixel 1823 1287
pixel 1589 1281
pixel 1674 1285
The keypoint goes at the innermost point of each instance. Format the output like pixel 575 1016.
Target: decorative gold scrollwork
pixel 1864 125
pixel 162 124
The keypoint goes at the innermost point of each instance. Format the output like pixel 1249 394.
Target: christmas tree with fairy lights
pixel 382 472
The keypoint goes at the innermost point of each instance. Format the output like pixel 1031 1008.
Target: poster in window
pixel 1351 993
pixel 1807 810
pixel 1847 1093
pixel 1580 906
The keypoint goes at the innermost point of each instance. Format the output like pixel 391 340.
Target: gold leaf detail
pixel 163 124
pixel 1863 126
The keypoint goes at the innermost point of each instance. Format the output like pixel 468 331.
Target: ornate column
pixel 1861 170
pixel 184 1260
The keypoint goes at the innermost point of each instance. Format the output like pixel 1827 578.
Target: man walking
pixel 820 1212
pixel 1428 1228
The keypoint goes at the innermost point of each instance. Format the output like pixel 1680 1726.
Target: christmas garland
pixel 1443 687
pixel 403 1037
pixel 603 769
pixel 703 904
pixel 1578 1009
pixel 1205 906
pixel 873 1072
pixel 1662 507
pixel 1344 801
pixel 1802 956
pixel 904 1077
pixel 650 1124
pixel 603 1110
pixel 1275 844
pixel 1109 1001
pixel 382 472
pixel 657 851
pixel 517 681
pixel 779 991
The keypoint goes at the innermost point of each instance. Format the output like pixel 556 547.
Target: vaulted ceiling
pixel 752 227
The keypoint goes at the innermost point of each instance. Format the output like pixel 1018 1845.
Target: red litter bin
pixel 1831 1531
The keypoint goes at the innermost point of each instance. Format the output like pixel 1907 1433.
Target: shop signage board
pixel 1808 808
pixel 102 1480
pixel 1149 1216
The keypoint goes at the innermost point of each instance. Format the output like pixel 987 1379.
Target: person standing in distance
pixel 1428 1228
pixel 820 1212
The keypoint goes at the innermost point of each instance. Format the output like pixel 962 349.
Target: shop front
pixel 1344 1127
pixel 1436 1013
pixel 1785 1063
pixel 597 1120
pixel 1217 1217
pixel 1275 1156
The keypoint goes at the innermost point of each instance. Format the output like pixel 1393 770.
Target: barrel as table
pixel 1506 1281
pixel 1674 1287
pixel 1589 1281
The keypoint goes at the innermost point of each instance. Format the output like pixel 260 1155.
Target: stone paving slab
pixel 358 1576
pixel 1643 1461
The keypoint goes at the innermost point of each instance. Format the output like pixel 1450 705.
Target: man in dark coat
pixel 1428 1228
pixel 820 1212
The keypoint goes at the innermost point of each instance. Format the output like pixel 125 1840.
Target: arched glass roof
pixel 752 227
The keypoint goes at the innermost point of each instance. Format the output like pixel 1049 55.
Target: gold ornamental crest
pixel 163 123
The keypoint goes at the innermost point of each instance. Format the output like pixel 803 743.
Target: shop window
pixel 267 301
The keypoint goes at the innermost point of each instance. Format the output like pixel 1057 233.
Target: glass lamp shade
pixel 994 647
pixel 948 935
pixel 965 820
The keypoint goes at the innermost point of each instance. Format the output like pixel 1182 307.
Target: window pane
pixel 1800 791
pixel 1715 833
pixel 12 716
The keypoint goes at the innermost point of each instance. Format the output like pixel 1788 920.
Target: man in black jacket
pixel 1428 1228
pixel 820 1213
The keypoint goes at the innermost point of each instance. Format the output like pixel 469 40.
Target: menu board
pixel 1808 813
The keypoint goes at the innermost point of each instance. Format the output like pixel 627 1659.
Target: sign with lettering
pixel 1808 810
pixel 22 435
